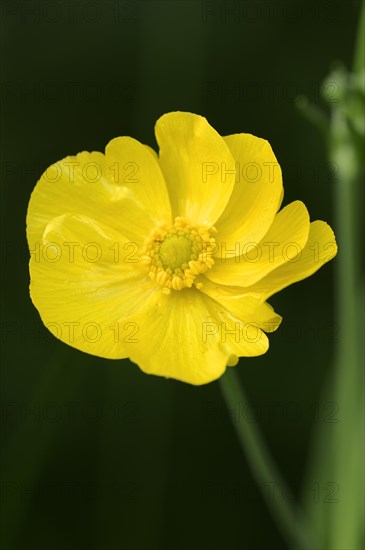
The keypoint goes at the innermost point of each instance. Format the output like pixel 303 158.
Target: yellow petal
pixel 284 240
pixel 257 194
pixel 190 337
pixel 197 165
pixel 321 247
pixel 80 185
pixel 135 166
pixel 152 151
pixel 86 282
pixel 242 304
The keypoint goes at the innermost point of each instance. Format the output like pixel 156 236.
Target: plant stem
pixel 292 525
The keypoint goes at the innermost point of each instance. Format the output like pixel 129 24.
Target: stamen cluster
pixel 175 255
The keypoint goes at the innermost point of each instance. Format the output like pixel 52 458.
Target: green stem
pixel 292 525
pixel 346 153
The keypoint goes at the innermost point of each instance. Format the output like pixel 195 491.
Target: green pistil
pixel 175 251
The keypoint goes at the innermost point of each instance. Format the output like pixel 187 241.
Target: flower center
pixel 175 255
pixel 175 251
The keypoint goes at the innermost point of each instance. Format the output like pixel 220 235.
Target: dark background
pixel 96 454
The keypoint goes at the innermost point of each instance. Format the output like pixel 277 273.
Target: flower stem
pixel 292 525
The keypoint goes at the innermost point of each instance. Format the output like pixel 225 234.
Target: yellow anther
pixel 175 255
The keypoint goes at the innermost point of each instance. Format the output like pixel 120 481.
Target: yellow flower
pixel 169 259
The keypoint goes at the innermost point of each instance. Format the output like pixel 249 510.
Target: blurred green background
pixel 97 455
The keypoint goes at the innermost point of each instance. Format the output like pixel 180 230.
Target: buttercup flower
pixel 169 258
